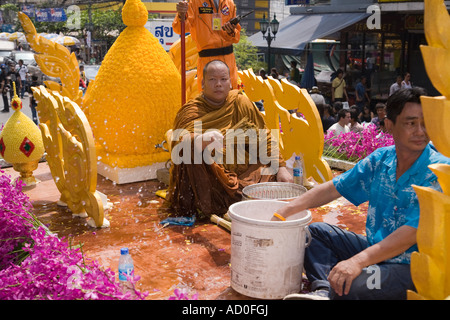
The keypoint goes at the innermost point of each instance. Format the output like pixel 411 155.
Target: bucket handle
pixel 308 237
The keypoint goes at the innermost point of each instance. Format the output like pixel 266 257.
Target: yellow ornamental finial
pixel 134 13
pixel 16 103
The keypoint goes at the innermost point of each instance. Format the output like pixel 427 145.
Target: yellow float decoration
pixel 430 267
pixel 70 148
pixel 298 135
pixel 133 101
pixel 21 143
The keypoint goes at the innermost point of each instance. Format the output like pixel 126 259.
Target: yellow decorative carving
pixel 298 135
pixel 191 53
pixel 54 60
pixel 430 267
pixel 71 156
pixel 191 64
pixel 437 115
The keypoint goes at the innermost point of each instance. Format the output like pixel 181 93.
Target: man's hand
pixel 182 8
pixel 342 276
pixel 316 197
pixel 228 28
pixel 283 175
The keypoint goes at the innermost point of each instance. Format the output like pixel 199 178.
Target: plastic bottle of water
pixel 126 267
pixel 298 170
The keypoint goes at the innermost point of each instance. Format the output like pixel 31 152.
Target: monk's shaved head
pixel 215 63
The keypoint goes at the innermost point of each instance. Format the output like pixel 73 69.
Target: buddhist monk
pixel 210 169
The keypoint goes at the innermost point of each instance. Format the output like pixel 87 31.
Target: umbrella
pixel 67 41
pixel 4 36
pixel 49 36
pixel 15 35
pixel 22 39
pixel 308 80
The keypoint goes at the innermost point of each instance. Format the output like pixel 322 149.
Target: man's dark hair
pixel 328 108
pixel 354 114
pixel 397 101
pixel 338 106
pixel 214 62
pixel 339 71
pixel 293 63
pixel 342 113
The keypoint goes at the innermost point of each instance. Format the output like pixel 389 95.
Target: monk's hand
pixel 228 28
pixel 182 8
pixel 283 175
pixel 342 276
pixel 211 139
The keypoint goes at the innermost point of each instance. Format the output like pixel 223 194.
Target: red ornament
pixel 2 147
pixel 15 105
pixel 27 146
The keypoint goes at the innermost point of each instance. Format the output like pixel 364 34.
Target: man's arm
pixel 316 197
pixel 232 32
pixel 358 98
pixel 345 91
pixel 367 96
pixel 333 87
pixel 343 274
pixel 183 8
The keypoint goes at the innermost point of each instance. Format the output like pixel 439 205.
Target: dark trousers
pixel 5 102
pixel 331 245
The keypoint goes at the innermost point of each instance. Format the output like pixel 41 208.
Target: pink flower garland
pixel 36 264
pixel 354 146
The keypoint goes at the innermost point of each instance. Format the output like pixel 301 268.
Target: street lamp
pixel 271 29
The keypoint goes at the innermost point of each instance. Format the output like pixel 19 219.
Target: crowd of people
pixel 18 75
pixel 339 117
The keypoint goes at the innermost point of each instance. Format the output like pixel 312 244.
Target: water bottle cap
pixel 124 251
pixel 297 157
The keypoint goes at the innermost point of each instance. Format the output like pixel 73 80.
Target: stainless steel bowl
pixel 273 191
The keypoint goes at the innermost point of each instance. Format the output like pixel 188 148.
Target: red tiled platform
pixel 196 258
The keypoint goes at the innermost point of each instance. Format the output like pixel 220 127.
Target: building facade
pixel 380 39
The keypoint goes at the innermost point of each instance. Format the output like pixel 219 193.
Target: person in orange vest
pixel 208 21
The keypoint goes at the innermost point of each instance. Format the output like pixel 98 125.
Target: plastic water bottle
pixel 298 170
pixel 126 267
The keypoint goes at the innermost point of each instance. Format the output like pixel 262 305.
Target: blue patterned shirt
pixel 392 203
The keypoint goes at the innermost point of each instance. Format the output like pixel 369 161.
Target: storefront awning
pixel 296 31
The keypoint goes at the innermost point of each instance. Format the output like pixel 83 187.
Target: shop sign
pixel 296 2
pixel 163 31
pixel 50 15
pixel 29 10
pixel 414 22
pixel 389 24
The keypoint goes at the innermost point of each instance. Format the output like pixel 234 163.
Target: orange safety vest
pixel 199 23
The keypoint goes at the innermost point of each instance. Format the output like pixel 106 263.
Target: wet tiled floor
pixel 195 258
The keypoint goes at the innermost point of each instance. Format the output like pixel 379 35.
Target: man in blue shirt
pixel 362 98
pixel 343 265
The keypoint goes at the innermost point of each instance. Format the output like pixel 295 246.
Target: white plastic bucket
pixel 267 256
